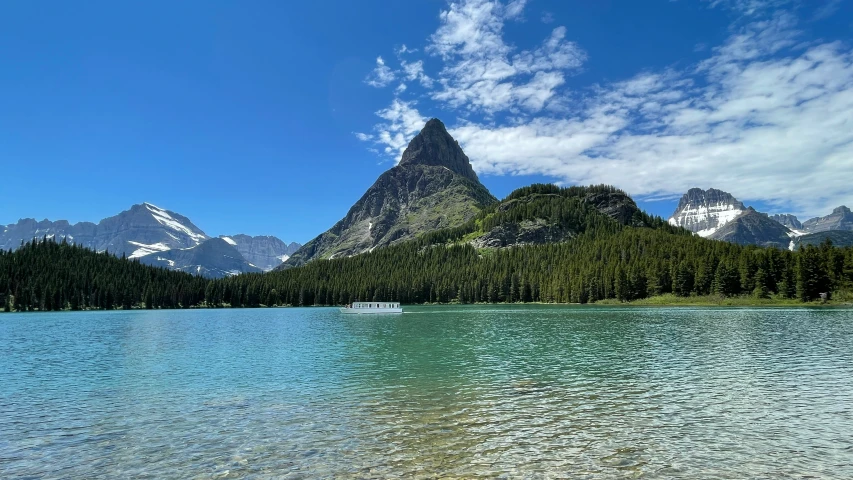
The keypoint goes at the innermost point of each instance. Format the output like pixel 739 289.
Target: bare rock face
pixel 840 219
pixel 433 187
pixel 618 206
pixel 705 211
pixel 263 251
pixel 527 232
pixel 754 228
pixel 790 221
pixel 434 146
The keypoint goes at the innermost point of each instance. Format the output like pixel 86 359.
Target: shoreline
pixel 666 301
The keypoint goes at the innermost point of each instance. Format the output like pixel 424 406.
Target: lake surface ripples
pixel 451 392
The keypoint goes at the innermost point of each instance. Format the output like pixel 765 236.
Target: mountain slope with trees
pixel 603 258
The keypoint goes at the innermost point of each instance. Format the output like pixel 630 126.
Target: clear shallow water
pixel 514 392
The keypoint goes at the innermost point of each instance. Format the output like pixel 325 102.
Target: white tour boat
pixel 373 307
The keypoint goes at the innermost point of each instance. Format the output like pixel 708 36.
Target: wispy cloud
pixel 765 115
pixel 381 75
pixel 826 10
pixel 402 122
pixel 748 7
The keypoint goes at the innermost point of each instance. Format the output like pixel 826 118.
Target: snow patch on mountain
pixel 716 215
pixel 147 249
pixel 704 212
pixel 229 240
pixel 163 217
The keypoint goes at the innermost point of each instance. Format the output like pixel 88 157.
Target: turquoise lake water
pixel 451 392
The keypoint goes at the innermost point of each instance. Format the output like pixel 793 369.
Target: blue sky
pixel 274 117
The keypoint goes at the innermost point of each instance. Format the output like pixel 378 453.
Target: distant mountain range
pixel 157 236
pixel 718 215
pixel 433 188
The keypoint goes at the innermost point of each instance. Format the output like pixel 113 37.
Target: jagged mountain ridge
pixel 433 187
pixel 213 258
pixel 705 211
pixel 263 251
pixel 788 220
pixel 142 230
pixel 718 215
pixel 138 231
pixel 840 219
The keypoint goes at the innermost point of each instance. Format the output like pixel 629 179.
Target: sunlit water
pixel 512 392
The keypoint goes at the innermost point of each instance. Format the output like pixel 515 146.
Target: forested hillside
pixel 46 275
pixel 631 264
pixel 611 250
pixel 610 255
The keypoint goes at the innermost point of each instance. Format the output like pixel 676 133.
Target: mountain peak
pixel 705 211
pixel 712 196
pixel 433 145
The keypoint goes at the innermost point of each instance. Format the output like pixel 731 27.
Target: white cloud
pixel 415 71
pixel 381 76
pixel 776 131
pixel 402 122
pixel 748 7
pixel 482 74
pixel 404 49
pixel 765 116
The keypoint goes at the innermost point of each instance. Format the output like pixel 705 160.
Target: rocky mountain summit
pixel 264 251
pixel 138 231
pixel 840 219
pixel 433 187
pixel 718 215
pixel 145 230
pixel 787 220
pixel 705 211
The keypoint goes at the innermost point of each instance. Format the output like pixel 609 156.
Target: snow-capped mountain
pixel 143 229
pixel 264 251
pixel 706 211
pixel 718 215
pixel 148 231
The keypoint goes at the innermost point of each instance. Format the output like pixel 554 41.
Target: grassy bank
pixel 668 300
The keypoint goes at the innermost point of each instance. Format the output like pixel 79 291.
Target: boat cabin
pixel 375 305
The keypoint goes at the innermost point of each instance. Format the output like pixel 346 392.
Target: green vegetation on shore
pixel 842 298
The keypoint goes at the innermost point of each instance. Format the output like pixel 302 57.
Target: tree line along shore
pixel 636 265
